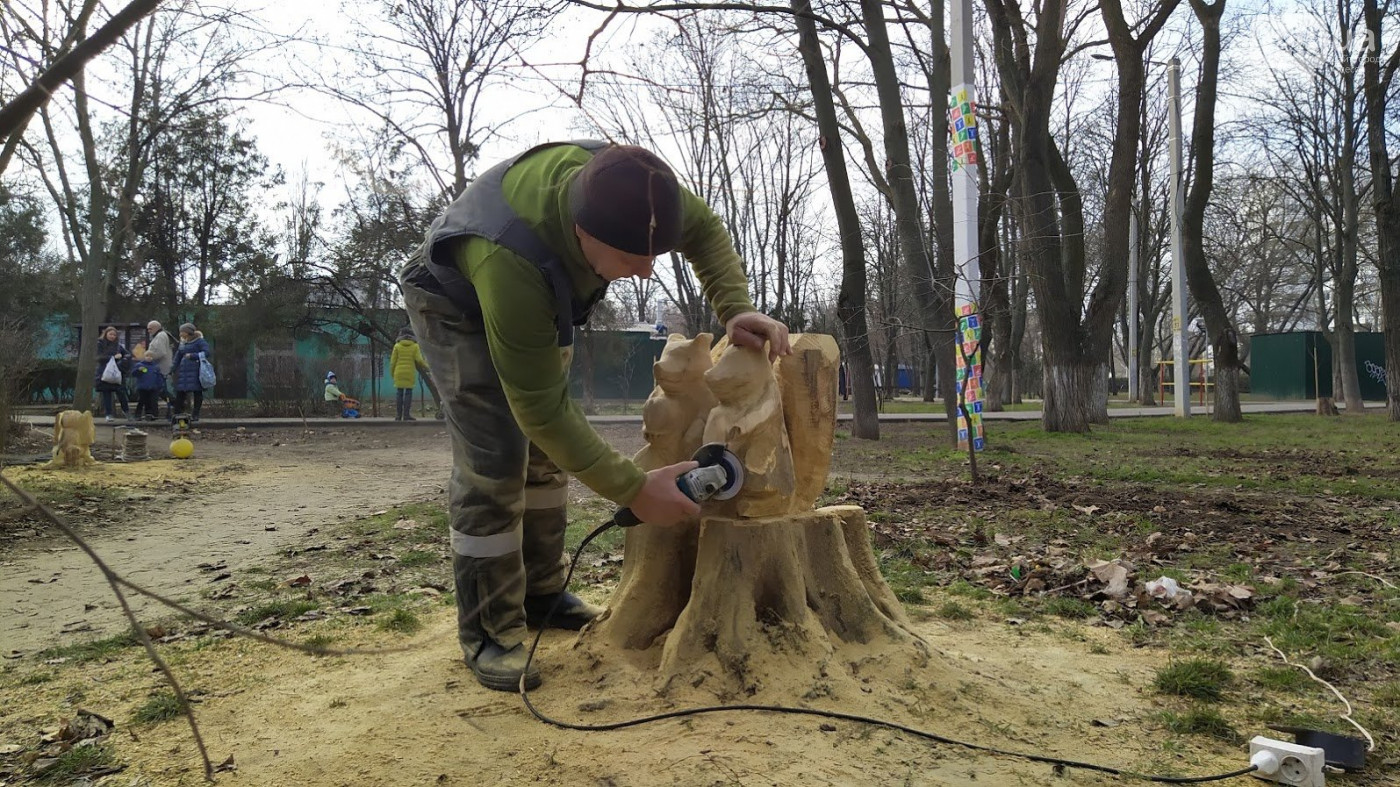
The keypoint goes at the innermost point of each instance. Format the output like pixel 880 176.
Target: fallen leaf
pixel 298 582
pixel 1105 722
pixel 406 524
pixel 226 765
pixel 1155 618
pixel 1114 575
pixel 1087 509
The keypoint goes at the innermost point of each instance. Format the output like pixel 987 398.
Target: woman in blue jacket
pixel 185 370
pixel 110 347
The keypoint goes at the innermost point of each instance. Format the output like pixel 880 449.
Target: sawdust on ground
pixel 418 718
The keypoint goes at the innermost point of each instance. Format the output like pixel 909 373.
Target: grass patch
pixel 1200 721
pixel 402 621
pixel 905 579
pixel 37 678
pixel 1202 679
pixel 1280 678
pixel 321 641
pixel 77 762
pixel 966 589
pixel 1388 695
pixel 416 558
pixel 160 707
pixel 952 610
pixel 1345 635
pixel 94 650
pixel 1072 608
pixel 285 610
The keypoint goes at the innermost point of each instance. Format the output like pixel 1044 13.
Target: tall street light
pixel 1181 362
pixel 1181 393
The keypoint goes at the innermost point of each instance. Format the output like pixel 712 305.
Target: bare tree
pixel 63 60
pixel 1050 212
pixel 422 67
pixel 850 304
pixel 1204 290
pixel 1377 78
pixel 96 194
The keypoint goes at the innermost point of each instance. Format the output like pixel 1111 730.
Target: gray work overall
pixel 507 499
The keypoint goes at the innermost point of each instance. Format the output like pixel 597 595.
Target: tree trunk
pixel 1204 290
pixel 946 343
pixel 1390 304
pixel 935 307
pixel 735 602
pixel 1147 373
pixel 1068 405
pixel 850 302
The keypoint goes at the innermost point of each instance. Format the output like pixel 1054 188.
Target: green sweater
pixel 518 309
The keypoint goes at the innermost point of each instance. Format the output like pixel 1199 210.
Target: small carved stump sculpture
pixel 763 584
pixel 73 436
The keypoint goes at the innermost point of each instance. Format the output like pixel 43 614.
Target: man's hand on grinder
pixel 752 329
pixel 661 502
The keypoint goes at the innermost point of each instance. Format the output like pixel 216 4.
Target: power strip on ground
pixel 1287 763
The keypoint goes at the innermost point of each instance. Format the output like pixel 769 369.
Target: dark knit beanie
pixel 628 198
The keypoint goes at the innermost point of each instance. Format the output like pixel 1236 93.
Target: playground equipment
pixel 1199 381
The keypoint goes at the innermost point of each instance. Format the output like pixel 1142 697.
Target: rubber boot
pixel 545 569
pixel 499 668
pixel 572 614
pixel 491 618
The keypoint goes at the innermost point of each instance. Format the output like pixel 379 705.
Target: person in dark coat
pixel 150 384
pixel 110 347
pixel 185 370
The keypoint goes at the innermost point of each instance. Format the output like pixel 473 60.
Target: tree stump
pixel 764 588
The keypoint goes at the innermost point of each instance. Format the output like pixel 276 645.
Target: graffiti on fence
pixel 1376 371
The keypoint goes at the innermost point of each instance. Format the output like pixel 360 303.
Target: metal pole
pixel 962 121
pixel 1133 306
pixel 1181 386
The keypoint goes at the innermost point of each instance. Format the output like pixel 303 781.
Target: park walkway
pixel 1197 411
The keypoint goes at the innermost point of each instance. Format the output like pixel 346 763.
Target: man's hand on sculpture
pixel 752 329
pixel 661 502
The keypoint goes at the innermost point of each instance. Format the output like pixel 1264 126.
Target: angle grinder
pixel 720 476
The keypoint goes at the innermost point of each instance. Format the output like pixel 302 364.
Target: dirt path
pixel 266 495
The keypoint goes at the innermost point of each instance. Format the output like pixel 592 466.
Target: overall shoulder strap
pixel 482 210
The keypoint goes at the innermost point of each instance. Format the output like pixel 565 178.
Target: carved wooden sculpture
pixel 73 436
pixel 764 586
pixel 749 421
pixel 657 562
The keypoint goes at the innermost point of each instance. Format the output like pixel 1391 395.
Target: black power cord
pixel 826 714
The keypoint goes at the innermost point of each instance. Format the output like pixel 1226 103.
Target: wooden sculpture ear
pixel 748 419
pixel 674 415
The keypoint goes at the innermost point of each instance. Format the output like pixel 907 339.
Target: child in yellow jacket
pixel 405 361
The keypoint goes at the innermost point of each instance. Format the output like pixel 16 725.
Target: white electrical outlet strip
pixel 1287 763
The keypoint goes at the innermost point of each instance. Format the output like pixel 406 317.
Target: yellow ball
pixel 181 448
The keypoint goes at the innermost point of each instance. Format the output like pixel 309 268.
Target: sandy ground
pixel 417 717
